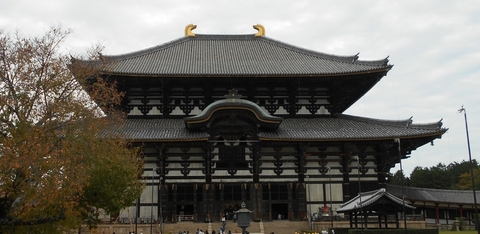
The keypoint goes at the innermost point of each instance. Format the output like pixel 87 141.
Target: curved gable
pixel 233 104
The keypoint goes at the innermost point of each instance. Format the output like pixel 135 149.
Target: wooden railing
pixel 184 218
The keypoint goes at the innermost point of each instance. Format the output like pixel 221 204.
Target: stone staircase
pixel 284 226
pixel 191 227
pixel 267 227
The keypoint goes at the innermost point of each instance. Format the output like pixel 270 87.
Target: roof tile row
pixel 224 55
pixel 342 127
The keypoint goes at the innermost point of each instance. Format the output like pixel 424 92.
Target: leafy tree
pixel 399 178
pixel 57 165
pixel 465 181
pixel 438 177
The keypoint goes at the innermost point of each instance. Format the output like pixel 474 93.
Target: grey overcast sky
pixel 433 45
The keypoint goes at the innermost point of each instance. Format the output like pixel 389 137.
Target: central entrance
pixel 279 211
pixel 185 213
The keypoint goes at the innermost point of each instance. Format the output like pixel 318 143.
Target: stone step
pixel 267 227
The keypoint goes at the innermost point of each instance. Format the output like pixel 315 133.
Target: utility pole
pixel 471 168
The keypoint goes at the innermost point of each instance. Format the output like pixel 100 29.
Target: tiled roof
pixel 341 127
pixel 157 130
pixel 434 195
pixel 368 198
pixel 238 55
pixel 347 127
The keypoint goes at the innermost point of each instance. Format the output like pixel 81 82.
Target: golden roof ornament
pixel 188 30
pixel 261 30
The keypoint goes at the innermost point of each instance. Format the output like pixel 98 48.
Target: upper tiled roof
pixel 341 127
pixel 236 55
pixel 434 195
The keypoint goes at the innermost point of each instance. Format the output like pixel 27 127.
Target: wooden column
pixel 345 169
pixel 397 221
pixel 208 171
pixel 255 167
pixel 301 162
pixel 256 196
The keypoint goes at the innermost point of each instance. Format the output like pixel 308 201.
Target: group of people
pixel 221 230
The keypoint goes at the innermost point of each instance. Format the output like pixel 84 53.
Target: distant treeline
pixel 452 176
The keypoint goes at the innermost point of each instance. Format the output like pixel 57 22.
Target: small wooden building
pixel 229 118
pixel 378 204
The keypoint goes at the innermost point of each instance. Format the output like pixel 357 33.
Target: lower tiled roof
pixel 334 128
pixel 433 195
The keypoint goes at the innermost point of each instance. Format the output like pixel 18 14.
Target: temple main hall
pixel 226 119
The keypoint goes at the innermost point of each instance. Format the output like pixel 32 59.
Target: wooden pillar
pixel 208 164
pixel 356 219
pixel 413 204
pixel 437 214
pixel 160 163
pixel 221 190
pixel 196 210
pixel 345 170
pixel 256 196
pixel 350 219
pixel 255 167
pixel 163 199
pixel 302 200
pixel 301 162
pixel 445 213
pixel 174 202
pixel 397 221
pixel 208 201
pixel 365 219
pixel 379 221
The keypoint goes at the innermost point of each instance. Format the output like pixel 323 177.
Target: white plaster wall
pixel 148 194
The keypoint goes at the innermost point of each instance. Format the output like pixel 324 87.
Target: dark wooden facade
pixel 231 118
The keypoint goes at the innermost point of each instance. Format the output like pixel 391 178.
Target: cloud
pixel 434 46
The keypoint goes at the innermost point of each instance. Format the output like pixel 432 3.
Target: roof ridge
pixel 431 189
pixel 400 123
pixel 431 125
pixel 339 58
pixel 147 50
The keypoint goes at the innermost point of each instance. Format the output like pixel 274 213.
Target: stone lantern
pixel 243 218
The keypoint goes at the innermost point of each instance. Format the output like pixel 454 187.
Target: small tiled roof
pixel 368 198
pixel 434 195
pixel 341 127
pixel 236 55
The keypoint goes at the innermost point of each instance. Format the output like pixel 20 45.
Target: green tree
pixel 438 177
pixel 465 180
pixel 458 169
pixel 57 165
pixel 399 179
